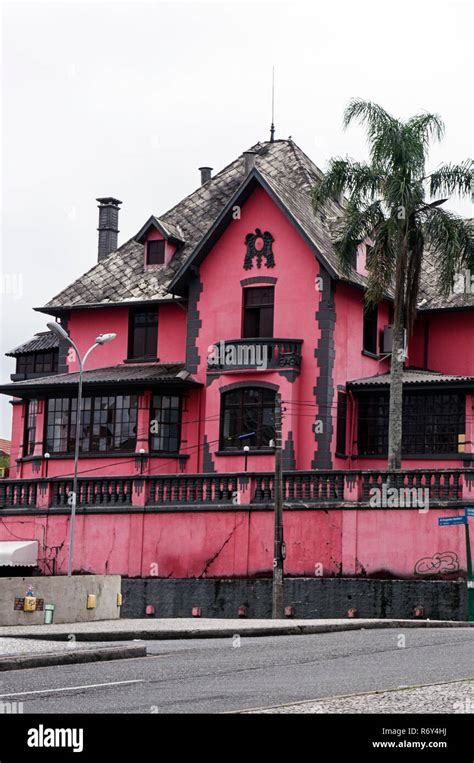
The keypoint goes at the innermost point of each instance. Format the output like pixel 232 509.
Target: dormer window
pixel 155 252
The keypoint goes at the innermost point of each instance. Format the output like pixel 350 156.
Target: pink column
pixel 44 495
pixel 143 422
pixel 40 411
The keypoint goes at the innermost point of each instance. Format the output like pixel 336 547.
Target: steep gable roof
pixel 287 174
pixel 121 278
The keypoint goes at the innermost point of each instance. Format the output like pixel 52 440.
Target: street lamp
pixel 57 329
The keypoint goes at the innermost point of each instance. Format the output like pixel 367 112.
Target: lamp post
pixel 57 329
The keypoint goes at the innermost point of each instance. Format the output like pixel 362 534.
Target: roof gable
pixel 283 170
pixel 169 231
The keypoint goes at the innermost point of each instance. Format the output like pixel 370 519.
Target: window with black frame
pixel 38 362
pixel 370 329
pixel 258 311
pixel 109 424
pixel 30 428
pixel 143 334
pixel 155 252
pixel 432 423
pixel 341 423
pixel 165 423
pixel 246 410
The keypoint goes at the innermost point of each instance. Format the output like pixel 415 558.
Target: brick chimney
pixel 108 225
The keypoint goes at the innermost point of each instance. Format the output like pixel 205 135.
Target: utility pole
pixel 470 579
pixel 278 546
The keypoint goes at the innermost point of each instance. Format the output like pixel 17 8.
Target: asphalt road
pixel 219 675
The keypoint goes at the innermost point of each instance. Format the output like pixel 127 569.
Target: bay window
pixel 109 423
pixel 165 423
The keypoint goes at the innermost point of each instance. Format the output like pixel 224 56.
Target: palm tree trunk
pixel 396 400
pixel 397 363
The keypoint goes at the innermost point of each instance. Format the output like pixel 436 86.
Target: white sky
pixel 129 99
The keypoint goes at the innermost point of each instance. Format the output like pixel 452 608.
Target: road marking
pixel 71 688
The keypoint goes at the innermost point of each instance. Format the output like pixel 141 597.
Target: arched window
pixel 247 410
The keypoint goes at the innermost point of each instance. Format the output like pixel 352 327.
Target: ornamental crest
pixel 259 246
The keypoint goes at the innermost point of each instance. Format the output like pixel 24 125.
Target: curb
pixel 244 630
pixel 19 662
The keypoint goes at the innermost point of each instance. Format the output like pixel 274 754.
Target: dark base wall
pixel 311 597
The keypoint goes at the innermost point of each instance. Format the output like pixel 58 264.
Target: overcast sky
pixel 129 99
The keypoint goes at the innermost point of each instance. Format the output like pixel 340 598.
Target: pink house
pixel 231 297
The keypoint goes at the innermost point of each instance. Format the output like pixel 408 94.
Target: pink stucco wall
pixel 220 310
pixel 227 543
pixel 85 325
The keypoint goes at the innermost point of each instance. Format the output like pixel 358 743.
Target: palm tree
pixel 392 202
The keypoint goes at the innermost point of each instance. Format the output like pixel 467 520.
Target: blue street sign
pixel 470 511
pixel 452 520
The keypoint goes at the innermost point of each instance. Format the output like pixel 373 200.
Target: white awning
pixel 18 553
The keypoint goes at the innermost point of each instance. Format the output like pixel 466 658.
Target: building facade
pixel 233 297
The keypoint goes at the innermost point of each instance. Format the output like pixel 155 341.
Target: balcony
pixel 255 354
pixel 350 489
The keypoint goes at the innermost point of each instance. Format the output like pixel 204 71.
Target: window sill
pixel 161 454
pixel 111 454
pixel 422 456
pixel 368 354
pixel 261 452
pixel 341 455
pixel 141 360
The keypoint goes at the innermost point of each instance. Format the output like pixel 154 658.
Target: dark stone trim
pixel 255 452
pixel 192 326
pixel 240 385
pixel 288 454
pixel 258 279
pixel 219 507
pixel 290 375
pixel 207 462
pixel 324 389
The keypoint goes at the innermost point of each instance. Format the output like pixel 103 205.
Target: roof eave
pixel 59 310
pixel 27 391
pixel 385 386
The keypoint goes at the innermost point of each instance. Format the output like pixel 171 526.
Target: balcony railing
pixel 301 489
pixel 240 354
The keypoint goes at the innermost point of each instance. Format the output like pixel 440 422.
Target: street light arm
pixel 82 361
pixel 60 331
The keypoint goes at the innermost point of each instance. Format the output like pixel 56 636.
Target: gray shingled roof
pixel 411 376
pixel 44 340
pixel 290 175
pixel 430 297
pixel 126 373
pixel 120 277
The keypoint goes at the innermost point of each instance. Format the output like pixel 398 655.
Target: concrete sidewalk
pixel 183 628
pixel 16 653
